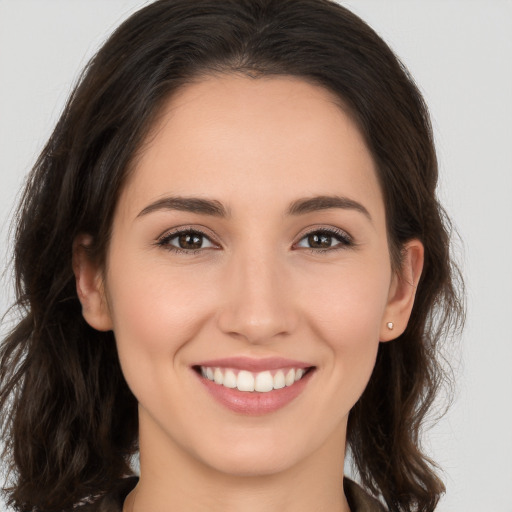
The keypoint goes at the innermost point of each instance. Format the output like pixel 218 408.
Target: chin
pixel 261 463
pixel 245 456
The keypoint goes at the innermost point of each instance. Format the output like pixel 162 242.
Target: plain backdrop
pixel 460 53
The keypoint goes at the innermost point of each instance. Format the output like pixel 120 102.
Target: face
pixel 251 237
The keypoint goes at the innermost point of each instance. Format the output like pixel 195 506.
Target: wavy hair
pixel 68 418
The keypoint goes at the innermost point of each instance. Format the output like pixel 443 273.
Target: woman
pixel 229 257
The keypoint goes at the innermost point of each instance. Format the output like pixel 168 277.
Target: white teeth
pixel 279 380
pixel 229 379
pixel 262 382
pixel 217 376
pixel 245 381
pixel 290 377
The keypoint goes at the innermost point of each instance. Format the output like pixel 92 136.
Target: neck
pixel 172 477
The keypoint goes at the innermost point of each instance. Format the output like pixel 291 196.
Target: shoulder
pixel 110 502
pixel 359 500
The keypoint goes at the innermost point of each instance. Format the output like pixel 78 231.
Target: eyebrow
pixel 216 208
pixel 313 204
pixel 187 204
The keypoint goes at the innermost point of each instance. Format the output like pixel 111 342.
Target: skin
pixel 255 288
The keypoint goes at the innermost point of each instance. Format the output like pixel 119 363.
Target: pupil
pixel 190 241
pixel 319 241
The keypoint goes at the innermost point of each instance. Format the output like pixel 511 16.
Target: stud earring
pixel 390 325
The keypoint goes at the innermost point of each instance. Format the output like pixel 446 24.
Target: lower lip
pixel 255 403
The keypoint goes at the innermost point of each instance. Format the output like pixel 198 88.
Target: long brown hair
pixel 68 417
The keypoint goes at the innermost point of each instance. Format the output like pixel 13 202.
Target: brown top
pixel 358 500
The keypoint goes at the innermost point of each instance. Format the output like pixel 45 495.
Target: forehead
pixel 229 135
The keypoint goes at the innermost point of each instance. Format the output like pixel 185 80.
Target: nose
pixel 259 300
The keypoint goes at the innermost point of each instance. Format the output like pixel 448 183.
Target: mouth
pixel 251 389
pixel 248 381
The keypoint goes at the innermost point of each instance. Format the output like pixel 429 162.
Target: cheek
pixel 154 302
pixel 346 315
pixel 347 303
pixel 155 311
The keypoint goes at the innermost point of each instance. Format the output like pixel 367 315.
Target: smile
pixel 261 382
pixel 254 387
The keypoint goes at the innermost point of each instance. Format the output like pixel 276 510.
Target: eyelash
pixel 344 239
pixel 164 241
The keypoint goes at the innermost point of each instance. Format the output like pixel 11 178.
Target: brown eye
pixel 325 240
pixel 319 241
pixel 188 240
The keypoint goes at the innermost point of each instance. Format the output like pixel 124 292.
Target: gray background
pixel 460 52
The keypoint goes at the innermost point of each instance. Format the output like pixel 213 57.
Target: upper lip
pixel 255 365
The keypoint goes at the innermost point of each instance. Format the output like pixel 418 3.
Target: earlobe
pixel 402 291
pixel 90 285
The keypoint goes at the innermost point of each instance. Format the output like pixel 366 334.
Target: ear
pixel 90 285
pixel 402 291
